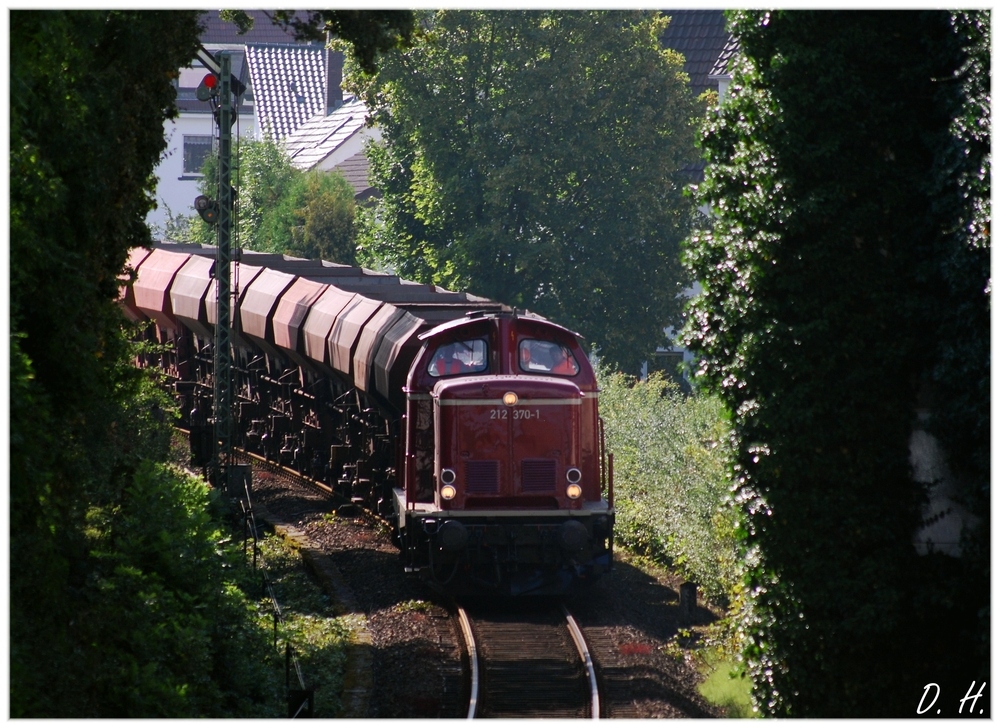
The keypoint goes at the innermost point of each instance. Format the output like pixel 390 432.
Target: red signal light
pixel 208 87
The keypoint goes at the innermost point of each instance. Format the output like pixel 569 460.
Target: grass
pixel 725 687
pixel 318 637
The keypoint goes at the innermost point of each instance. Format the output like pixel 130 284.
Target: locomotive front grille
pixel 538 476
pixel 482 477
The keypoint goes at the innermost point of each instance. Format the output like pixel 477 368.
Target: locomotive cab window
pixel 458 357
pixel 546 357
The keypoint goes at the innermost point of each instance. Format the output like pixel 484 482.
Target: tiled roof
pixel 217 31
pixel 318 137
pixel 355 170
pixel 721 67
pixel 289 86
pixel 700 35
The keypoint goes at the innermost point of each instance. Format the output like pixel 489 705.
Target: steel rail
pixel 470 642
pixel 581 647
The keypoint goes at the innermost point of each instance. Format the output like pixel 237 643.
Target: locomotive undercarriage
pixel 515 554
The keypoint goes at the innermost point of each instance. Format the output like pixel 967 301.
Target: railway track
pixel 522 660
pixel 528 661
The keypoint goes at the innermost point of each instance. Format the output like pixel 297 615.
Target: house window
pixel 196 151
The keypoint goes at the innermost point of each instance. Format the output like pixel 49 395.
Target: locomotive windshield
pixel 547 357
pixel 458 357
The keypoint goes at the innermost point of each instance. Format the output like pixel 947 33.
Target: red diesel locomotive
pixel 471 428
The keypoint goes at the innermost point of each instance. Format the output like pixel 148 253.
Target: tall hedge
pixel 89 94
pixel 846 283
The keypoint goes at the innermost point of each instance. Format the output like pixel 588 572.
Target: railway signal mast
pixel 218 88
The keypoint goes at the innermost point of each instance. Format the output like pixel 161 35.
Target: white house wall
pixel 175 190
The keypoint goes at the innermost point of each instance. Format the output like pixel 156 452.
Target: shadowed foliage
pixel 846 286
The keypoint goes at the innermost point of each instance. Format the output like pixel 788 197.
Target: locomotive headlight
pixel 510 399
pixel 573 491
pixel 573 475
pixel 448 489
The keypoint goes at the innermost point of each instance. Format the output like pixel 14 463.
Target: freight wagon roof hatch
pixel 152 287
pixel 388 382
pixel 346 329
pixel 125 293
pixel 316 269
pixel 240 275
pixel 408 293
pixel 319 322
pixel 368 343
pixel 292 311
pixel 260 301
pixel 187 295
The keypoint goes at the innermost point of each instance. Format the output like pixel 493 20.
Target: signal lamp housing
pixel 207 208
pixel 208 87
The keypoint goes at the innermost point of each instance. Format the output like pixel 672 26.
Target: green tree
pixel 323 225
pixel 282 209
pixel 90 92
pixel 848 179
pixel 366 32
pixel 262 176
pixel 535 158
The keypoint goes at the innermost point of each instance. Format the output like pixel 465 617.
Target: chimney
pixel 334 77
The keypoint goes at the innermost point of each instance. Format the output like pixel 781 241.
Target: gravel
pixel 630 618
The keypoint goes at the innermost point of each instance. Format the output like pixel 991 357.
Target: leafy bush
pixel 282 209
pixel 173 623
pixel 322 221
pixel 318 638
pixel 671 477
pixel 168 630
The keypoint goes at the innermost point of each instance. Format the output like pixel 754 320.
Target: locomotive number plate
pixel 517 414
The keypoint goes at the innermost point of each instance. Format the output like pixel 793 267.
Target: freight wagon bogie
pixel 473 429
